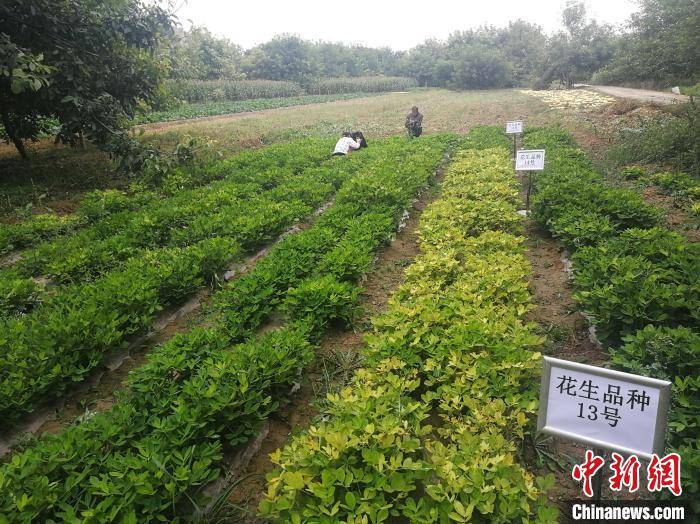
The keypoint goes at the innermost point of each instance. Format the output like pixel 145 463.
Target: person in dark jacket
pixel 359 137
pixel 414 123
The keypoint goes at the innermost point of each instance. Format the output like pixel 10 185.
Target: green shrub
pixel 18 295
pixel 642 277
pixel 672 354
pixel 674 183
pixel 578 227
pixel 33 230
pixel 632 172
pixel 671 138
pixel 660 352
pixel 99 204
pixel 320 301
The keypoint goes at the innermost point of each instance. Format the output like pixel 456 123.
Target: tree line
pixel 659 46
pixel 92 64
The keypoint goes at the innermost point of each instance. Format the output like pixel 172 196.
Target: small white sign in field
pixel 529 160
pixel 514 127
pixel 603 408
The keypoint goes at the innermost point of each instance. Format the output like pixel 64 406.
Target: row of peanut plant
pixel 638 281
pixel 229 107
pixel 250 209
pixel 99 205
pixel 72 328
pixel 430 429
pixel 148 457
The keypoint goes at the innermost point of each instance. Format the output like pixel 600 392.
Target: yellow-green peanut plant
pixel 453 345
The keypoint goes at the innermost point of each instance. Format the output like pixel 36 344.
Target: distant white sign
pixel 514 127
pixel 603 408
pixel 529 160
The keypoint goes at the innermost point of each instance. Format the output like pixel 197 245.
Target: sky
pixel 396 24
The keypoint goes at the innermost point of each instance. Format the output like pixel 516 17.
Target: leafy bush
pixel 579 227
pixel 672 354
pixel 674 183
pixel 322 300
pixel 97 205
pixel 34 229
pixel 17 295
pixel 672 138
pixel 639 278
pixel 199 391
pixel 632 172
pixel 661 352
pixel 453 343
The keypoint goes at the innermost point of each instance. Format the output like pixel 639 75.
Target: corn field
pixel 363 84
pixel 218 90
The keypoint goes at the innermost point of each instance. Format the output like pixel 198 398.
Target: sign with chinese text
pixel 604 408
pixel 514 127
pixel 529 160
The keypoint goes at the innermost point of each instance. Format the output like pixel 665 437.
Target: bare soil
pixel 676 218
pixel 569 338
pixel 337 357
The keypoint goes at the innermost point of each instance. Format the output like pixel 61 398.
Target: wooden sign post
pixel 514 129
pixel 529 160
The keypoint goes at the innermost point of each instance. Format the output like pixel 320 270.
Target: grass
pixel 227 107
pixel 57 175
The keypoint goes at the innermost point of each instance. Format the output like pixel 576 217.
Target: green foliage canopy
pixel 90 63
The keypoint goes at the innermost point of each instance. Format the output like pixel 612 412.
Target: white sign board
pixel 529 160
pixel 603 408
pixel 514 127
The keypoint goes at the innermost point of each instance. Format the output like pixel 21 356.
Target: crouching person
pixel 345 145
pixel 414 123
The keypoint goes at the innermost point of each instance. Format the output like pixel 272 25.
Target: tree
pixel 480 67
pixel 662 46
pixel 575 54
pixel 197 54
pixel 21 75
pixel 285 57
pixel 98 60
pixel 523 45
pixel 420 62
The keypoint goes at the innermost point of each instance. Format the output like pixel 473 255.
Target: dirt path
pixel 156 127
pixel 645 95
pixel 337 358
pixel 568 338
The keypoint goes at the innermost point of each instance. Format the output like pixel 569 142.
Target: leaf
pixel 294 479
